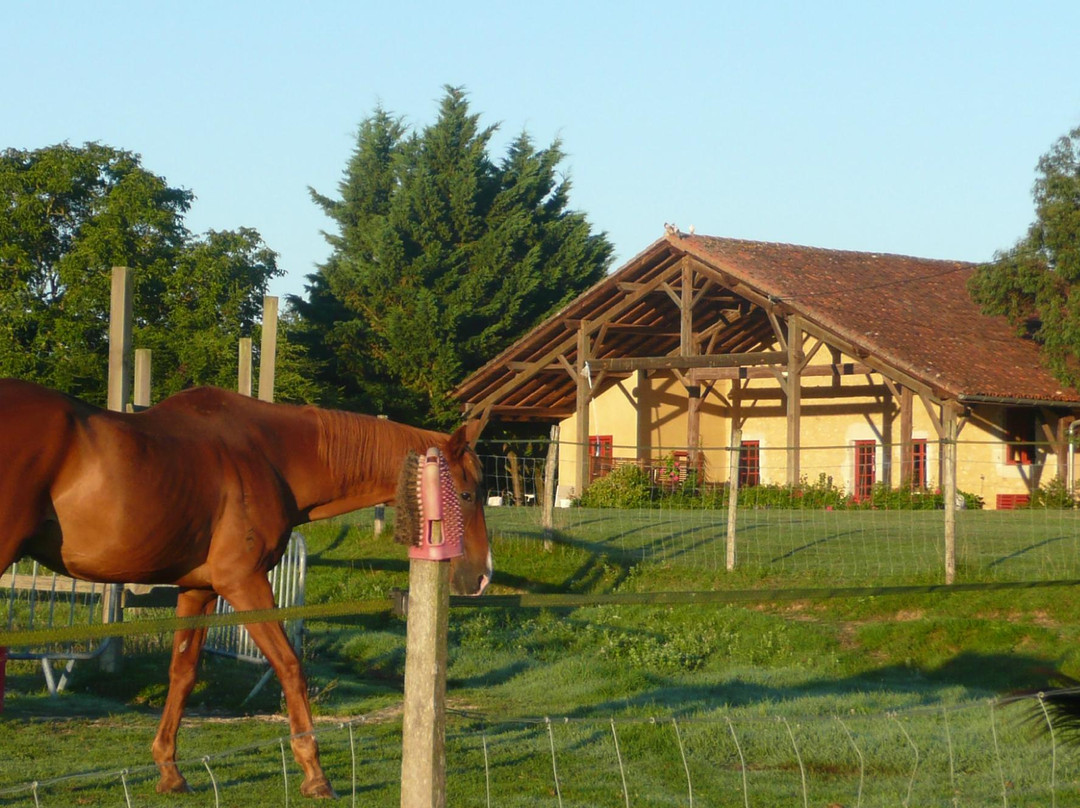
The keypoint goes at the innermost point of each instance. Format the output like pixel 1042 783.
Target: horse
pixel 202 491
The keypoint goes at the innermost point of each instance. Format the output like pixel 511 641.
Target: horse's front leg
pixel 187 647
pixel 255 593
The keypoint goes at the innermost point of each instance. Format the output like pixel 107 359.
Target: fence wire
pixel 978 753
pixel 851 517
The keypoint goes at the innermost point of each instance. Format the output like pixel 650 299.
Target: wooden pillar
pixel 120 315
pixel 687 348
pixel 733 491
pixel 141 396
pixel 693 425
pixel 1058 437
pixel 1061 444
pixel 243 367
pixel 907 470
pixel 423 753
pixel 643 408
pixel 584 395
pixel 268 350
pixel 794 398
pixel 547 516
pixel 948 487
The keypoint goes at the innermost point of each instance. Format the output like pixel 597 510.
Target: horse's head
pixel 471 573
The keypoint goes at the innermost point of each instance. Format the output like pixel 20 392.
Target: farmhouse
pixel 798 363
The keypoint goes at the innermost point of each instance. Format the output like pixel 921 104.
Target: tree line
pixel 441 256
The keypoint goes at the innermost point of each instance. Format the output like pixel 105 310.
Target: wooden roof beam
pixel 688 362
pixel 842 369
pixel 570 341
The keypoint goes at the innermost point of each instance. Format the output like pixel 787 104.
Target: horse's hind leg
pixel 255 593
pixel 187 647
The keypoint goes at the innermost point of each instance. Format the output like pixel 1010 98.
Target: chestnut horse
pixel 202 491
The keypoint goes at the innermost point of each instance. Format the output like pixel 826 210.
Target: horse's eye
pixel 466 496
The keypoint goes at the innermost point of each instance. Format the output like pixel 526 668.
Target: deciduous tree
pixel 67 216
pixel 1036 283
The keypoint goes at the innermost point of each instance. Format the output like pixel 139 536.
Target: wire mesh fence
pixel 858 513
pixel 983 752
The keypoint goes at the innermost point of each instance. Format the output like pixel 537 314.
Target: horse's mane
pixel 358 447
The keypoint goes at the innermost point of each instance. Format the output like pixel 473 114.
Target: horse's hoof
pixel 173 785
pixel 318 788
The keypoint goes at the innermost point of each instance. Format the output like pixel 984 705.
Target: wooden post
pixel 514 469
pixel 794 398
pixel 907 470
pixel 948 488
pixel 583 398
pixel 141 397
pixel 733 492
pixel 243 365
pixel 380 509
pixel 268 350
pixel 547 516
pixel 120 315
pixel 423 754
pixel 642 409
pixel 688 348
pixel 693 427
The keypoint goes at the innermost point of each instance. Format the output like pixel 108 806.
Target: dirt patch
pixel 907 615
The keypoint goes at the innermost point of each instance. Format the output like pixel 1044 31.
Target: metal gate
pixel 33 597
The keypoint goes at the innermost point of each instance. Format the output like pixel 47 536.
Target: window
pixel 918 463
pixel 865 468
pixel 1020 431
pixel 749 463
pixel 601 455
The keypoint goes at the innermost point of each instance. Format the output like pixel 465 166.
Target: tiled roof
pixel 912 316
pixel 914 312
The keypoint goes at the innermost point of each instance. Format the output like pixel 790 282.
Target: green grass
pixel 765 691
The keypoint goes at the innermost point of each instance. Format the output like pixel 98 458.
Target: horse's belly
pixel 100 538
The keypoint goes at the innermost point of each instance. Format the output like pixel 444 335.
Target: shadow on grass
pixel 982 675
pixel 1019 553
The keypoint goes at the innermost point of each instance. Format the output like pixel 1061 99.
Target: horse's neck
pixel 360 460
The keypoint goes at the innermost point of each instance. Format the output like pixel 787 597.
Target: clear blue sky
pixel 895 127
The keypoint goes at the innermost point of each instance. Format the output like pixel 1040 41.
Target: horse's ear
pixel 465 438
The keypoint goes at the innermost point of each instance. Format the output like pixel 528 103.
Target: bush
pixel 821 494
pixel 627 486
pixel 630 486
pixel 1054 495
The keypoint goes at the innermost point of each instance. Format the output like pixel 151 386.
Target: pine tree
pixel 441 258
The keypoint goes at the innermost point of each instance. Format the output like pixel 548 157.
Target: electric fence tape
pixel 524 601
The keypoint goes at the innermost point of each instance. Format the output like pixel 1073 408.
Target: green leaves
pixel 67 216
pixel 442 257
pixel 1035 284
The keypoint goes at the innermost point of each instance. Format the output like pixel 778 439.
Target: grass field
pixel 852 701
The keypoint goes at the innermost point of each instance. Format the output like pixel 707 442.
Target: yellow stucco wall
pixel 830 426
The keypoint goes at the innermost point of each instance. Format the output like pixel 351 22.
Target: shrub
pixel 1054 495
pixel 821 494
pixel 627 486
